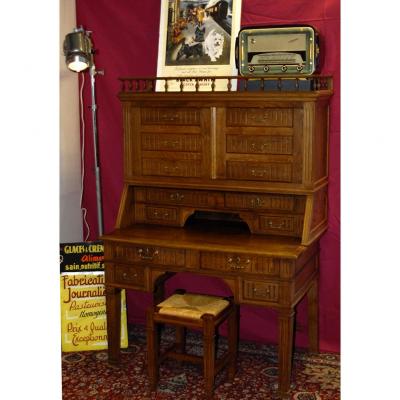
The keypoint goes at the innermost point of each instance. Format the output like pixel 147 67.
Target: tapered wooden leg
pixel 113 309
pixel 313 325
pixel 233 335
pixel 209 354
pixel 180 339
pixel 286 327
pixel 152 349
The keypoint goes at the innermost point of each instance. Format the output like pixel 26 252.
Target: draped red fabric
pixel 125 34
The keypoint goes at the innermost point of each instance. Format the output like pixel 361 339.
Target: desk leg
pixel 113 304
pixel 286 327
pixel 313 334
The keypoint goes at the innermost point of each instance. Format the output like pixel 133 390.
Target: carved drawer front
pixel 179 168
pixel 181 197
pixel 149 254
pixel 171 142
pixel 129 275
pixel 260 171
pixel 161 214
pixel 259 144
pixel 227 261
pixel 259 117
pixel 157 215
pixel 260 201
pixel 169 116
pixel 260 291
pixel 279 224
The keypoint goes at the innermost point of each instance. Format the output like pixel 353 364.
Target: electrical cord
pixel 83 209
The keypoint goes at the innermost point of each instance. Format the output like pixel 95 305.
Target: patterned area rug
pixel 88 376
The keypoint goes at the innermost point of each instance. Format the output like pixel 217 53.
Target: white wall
pixel 70 153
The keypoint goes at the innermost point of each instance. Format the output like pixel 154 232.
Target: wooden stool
pixel 190 310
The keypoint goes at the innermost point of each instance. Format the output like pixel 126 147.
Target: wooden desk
pixel 260 270
pixel 199 166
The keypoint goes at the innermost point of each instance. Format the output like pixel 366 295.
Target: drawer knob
pixel 147 253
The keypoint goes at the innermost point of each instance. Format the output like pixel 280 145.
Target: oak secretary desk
pixel 231 184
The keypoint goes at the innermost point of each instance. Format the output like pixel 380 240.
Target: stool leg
pixel 233 336
pixel 209 353
pixel 152 349
pixel 180 339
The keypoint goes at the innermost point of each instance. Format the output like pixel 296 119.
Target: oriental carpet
pixel 88 376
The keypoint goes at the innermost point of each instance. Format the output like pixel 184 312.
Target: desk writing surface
pixel 210 236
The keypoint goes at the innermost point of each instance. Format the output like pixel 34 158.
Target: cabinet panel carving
pixel 259 117
pixel 181 142
pixel 259 144
pixel 172 116
pixel 183 168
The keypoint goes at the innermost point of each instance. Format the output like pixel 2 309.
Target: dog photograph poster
pixel 197 38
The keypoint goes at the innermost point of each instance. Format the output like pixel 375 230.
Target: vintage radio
pixel 277 50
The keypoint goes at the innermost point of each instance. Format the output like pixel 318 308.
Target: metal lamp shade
pixel 77 51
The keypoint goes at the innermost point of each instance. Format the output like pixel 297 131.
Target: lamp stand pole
pixel 92 73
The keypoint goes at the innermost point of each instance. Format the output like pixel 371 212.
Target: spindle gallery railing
pixel 232 83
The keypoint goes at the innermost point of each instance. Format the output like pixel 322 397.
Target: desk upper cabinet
pixel 261 155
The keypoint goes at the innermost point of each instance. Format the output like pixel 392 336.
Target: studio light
pixel 79 56
pixel 78 50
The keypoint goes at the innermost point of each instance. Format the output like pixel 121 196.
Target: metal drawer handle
pixel 235 263
pixel 147 253
pixel 277 226
pixel 125 275
pixel 168 143
pixel 253 147
pixel 266 291
pixel 259 172
pixel 171 169
pixel 156 214
pixel 176 196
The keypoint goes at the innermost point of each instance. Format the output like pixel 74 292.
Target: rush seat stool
pixel 188 311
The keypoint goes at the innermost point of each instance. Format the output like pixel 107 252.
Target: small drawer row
pixel 218 199
pixel 134 277
pixel 262 223
pixel 220 261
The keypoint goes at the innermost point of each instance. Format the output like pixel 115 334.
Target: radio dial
pixel 284 68
pixel 266 68
pixel 251 68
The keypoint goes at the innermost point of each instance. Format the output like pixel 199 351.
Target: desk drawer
pixel 122 274
pixel 261 202
pixel 260 291
pixel 239 262
pixel 290 225
pixel 194 198
pixel 149 254
pixel 157 215
pixel 260 171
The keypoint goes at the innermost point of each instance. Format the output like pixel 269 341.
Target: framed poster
pixel 197 38
pixel 83 301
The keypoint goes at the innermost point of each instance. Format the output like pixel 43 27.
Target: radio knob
pixel 266 68
pixel 251 68
pixel 284 68
pixel 299 68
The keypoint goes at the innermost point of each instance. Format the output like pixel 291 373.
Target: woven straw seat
pixel 190 310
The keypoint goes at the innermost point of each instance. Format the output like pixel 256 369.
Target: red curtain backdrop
pixel 125 34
